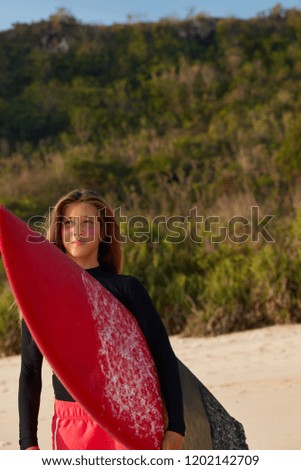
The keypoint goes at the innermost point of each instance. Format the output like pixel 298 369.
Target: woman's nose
pixel 80 229
pixel 77 229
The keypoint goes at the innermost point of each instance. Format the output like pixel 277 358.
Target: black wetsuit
pixel 129 291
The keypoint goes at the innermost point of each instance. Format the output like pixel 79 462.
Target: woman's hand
pixel 33 448
pixel 172 441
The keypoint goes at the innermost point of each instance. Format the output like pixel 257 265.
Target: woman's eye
pixel 67 223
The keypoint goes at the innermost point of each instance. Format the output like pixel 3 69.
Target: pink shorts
pixel 74 429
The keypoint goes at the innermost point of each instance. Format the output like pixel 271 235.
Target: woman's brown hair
pixel 109 251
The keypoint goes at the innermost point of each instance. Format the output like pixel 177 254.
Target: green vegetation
pixel 161 118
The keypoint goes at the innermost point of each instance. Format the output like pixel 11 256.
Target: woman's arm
pixel 30 385
pixel 149 321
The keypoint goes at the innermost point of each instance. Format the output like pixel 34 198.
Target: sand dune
pixel 255 374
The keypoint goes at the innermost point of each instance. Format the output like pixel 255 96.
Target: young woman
pixel 83 226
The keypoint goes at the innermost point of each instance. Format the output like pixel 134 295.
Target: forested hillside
pixel 176 119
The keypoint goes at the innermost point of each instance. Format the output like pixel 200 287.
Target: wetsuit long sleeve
pixel 30 385
pixel 151 325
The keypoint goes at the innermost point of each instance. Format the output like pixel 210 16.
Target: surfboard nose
pixel 7 222
pixel 2 210
pixel 4 214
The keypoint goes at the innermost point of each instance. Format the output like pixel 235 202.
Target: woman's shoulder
pixel 125 286
pixel 126 280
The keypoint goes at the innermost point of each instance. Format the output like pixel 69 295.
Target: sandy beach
pixel 256 375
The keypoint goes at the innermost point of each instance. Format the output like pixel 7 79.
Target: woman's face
pixel 81 233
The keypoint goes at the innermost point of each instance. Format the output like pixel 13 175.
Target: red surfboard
pixel 92 342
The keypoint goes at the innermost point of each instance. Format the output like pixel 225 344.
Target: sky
pixel 116 11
